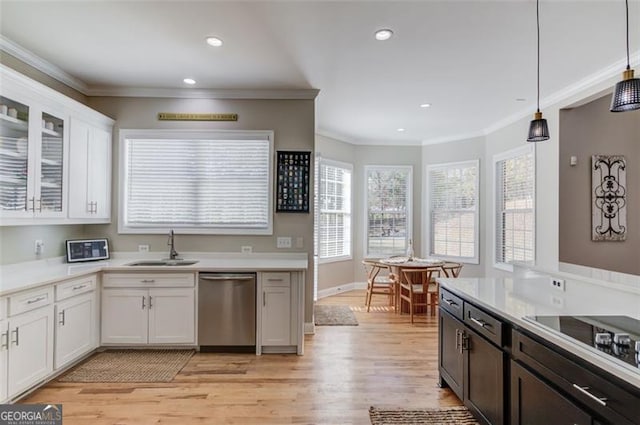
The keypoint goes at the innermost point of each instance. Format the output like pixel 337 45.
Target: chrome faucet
pixel 173 254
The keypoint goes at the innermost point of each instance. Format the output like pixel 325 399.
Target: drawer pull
pixel 5 337
pixel 61 321
pixel 583 390
pixel 450 302
pixel 275 280
pixel 35 300
pixel 143 297
pixel 480 323
pixel 17 332
pixel 75 288
pixel 150 302
pixel 148 280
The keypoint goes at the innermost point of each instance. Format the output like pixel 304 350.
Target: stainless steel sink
pixel 163 263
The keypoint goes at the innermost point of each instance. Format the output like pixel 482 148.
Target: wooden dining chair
pixel 414 288
pixel 449 269
pixel 378 282
pixel 452 269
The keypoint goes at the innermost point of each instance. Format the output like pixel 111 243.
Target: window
pixel 515 207
pixel 335 211
pixel 204 182
pixel 453 210
pixel 388 201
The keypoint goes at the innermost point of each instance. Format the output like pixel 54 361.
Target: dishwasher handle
pixel 228 277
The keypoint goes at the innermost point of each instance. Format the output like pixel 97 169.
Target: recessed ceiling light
pixel 401 130
pixel 425 105
pixel 214 41
pixel 189 81
pixel 383 34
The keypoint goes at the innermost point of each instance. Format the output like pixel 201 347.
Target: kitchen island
pixel 504 349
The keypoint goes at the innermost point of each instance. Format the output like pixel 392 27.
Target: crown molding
pixel 453 138
pixel 42 65
pixel 287 94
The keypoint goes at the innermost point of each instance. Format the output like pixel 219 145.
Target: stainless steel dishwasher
pixel 227 312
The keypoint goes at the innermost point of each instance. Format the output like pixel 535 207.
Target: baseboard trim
pixel 341 288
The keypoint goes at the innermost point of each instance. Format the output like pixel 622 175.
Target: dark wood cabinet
pixel 451 354
pixel 534 402
pixel 484 378
pixel 473 368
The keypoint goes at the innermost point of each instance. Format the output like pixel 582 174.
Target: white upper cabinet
pixel 90 171
pixel 40 131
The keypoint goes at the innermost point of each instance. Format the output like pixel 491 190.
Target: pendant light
pixel 538 129
pixel 626 96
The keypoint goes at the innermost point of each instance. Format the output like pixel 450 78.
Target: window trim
pixel 345 165
pixel 427 208
pixel 365 234
pixel 502 156
pixel 125 134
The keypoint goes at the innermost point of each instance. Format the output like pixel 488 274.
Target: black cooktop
pixel 617 336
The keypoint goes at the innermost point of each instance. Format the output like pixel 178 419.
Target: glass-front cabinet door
pixel 50 177
pixel 33 145
pixel 15 190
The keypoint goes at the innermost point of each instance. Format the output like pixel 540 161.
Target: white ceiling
pixel 470 59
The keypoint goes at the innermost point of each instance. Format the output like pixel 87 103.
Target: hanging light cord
pixel 538 27
pixel 627 9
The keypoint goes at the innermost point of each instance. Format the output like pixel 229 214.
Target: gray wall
pixel 589 130
pixel 293 124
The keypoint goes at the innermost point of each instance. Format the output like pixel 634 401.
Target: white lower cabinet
pixel 30 354
pixel 148 316
pixel 75 328
pixel 281 314
pixel 4 358
pixel 276 315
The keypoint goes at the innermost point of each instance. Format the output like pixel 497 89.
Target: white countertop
pixel 21 276
pixel 516 298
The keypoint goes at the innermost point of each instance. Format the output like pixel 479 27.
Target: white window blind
pixel 453 210
pixel 388 210
pixel 515 206
pixel 204 183
pixel 334 232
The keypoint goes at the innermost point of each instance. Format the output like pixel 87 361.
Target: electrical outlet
pixel 39 246
pixel 246 249
pixel 557 284
pixel 283 242
pixel 143 248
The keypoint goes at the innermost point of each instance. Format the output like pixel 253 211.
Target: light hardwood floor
pixel 383 362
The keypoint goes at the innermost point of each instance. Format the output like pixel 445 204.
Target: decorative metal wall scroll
pixel 609 198
pixel 294 169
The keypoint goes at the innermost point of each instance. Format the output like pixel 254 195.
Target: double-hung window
pixel 334 203
pixel 196 182
pixel 388 203
pixel 453 218
pixel 515 207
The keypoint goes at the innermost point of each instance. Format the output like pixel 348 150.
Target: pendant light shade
pixel 538 129
pixel 626 96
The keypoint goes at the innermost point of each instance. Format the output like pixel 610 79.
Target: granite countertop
pixel 28 275
pixel 515 299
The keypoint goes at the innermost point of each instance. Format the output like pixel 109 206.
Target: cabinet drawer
pixel 483 323
pixel 75 287
pixel 276 279
pixel 30 300
pixel 148 280
pixel 451 303
pixel 610 398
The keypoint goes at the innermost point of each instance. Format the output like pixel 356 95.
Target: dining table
pixel 397 264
